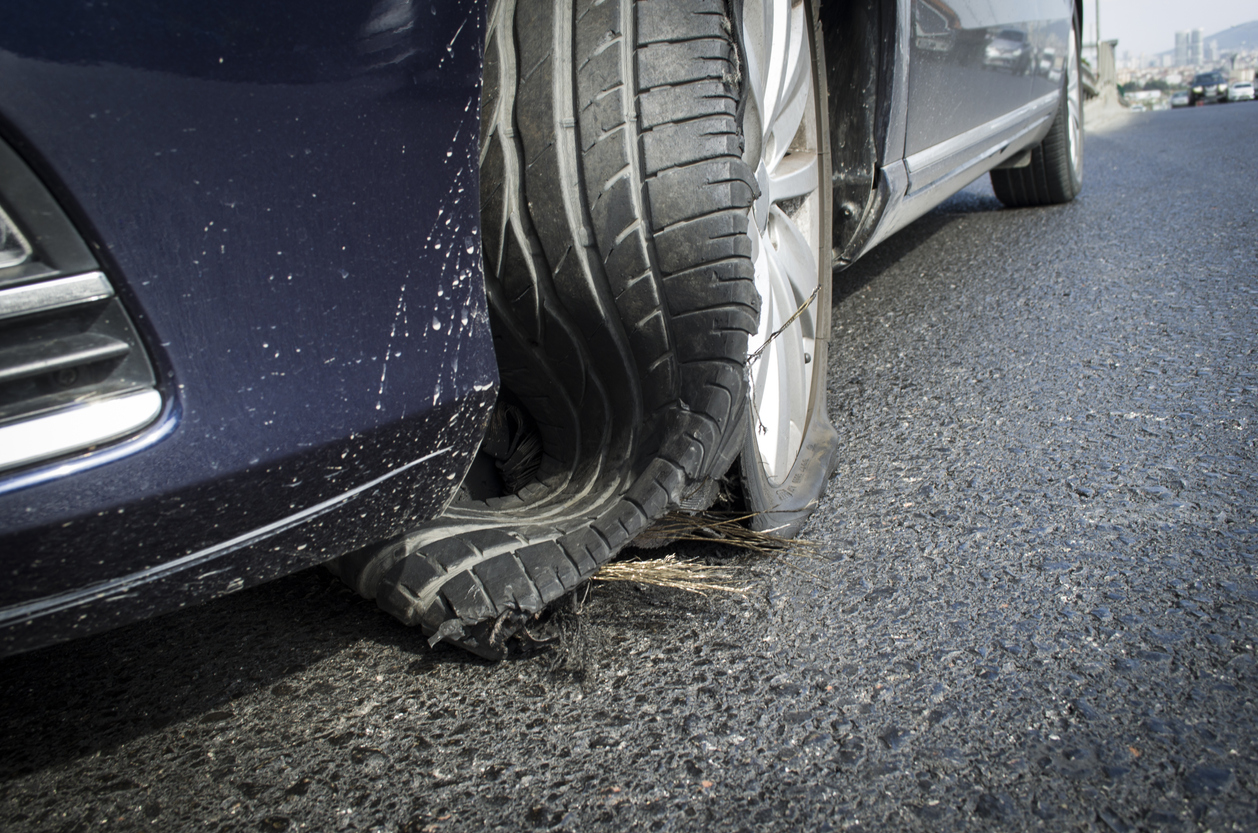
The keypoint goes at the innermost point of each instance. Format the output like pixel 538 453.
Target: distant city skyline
pixel 1149 26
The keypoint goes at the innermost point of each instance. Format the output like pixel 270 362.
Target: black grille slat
pixel 47 296
pixel 61 354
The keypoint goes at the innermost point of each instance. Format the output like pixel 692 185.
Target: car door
pixel 980 73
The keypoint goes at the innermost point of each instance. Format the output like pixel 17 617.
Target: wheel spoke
pixel 763 370
pixel 757 89
pixel 777 30
pixel 781 441
pixel 794 176
pixel 795 261
pixel 757 32
pixel 791 100
pixel 780 400
pixel 786 355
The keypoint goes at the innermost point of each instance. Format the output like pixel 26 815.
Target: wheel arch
pixel 860 42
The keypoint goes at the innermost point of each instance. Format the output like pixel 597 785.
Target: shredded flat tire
pixel 614 219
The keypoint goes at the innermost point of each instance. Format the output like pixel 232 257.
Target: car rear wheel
pixel 1055 172
pixel 615 202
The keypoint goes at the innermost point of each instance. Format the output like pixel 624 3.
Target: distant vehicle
pixel 1137 108
pixel 1180 98
pixel 1240 91
pixel 1209 86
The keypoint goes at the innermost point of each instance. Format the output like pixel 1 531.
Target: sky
pixel 1149 26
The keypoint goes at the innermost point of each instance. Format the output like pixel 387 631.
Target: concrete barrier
pixel 1102 106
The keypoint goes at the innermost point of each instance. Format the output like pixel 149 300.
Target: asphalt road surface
pixel 1032 604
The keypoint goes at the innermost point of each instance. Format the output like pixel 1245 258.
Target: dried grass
pixel 670 571
pixel 692 575
pixel 726 528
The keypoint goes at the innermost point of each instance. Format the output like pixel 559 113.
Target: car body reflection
pixel 1007 49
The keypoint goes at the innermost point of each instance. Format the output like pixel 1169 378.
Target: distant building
pixel 1181 48
pixel 1213 50
pixel 1194 48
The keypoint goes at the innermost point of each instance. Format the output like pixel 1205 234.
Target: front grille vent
pixel 73 371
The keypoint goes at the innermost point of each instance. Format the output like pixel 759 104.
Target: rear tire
pixel 1055 173
pixel 614 212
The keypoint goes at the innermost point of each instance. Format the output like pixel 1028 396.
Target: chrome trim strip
pixel 905 201
pixel 893 182
pixel 925 162
pixel 162 427
pixel 123 584
pixel 76 427
pixel 905 206
pixel 43 296
pixel 1006 148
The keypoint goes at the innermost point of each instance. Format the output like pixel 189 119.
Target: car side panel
pixel 973 61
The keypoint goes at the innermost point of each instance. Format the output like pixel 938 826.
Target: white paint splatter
pixel 384 367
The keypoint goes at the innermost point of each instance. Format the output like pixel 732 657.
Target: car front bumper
pixel 286 201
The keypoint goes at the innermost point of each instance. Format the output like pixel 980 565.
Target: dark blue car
pixel 457 297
